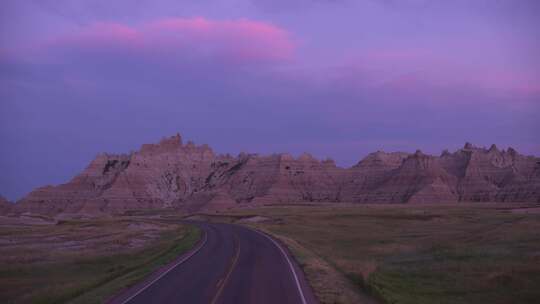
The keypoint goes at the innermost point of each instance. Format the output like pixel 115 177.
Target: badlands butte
pixel 192 177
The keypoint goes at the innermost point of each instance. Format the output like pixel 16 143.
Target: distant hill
pixel 192 177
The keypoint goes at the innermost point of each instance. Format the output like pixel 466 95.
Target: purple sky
pixel 337 78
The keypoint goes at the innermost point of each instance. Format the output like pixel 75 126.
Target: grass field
pixel 85 261
pixel 468 253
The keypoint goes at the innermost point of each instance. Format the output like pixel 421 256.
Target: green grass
pixel 472 253
pixel 55 273
pixel 123 276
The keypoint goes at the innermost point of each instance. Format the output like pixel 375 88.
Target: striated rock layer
pixel 191 177
pixel 5 205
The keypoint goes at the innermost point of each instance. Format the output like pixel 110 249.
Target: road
pixel 231 264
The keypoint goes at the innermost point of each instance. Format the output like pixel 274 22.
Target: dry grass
pixel 329 285
pixel 84 261
pixel 468 253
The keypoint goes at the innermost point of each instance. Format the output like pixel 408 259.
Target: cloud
pixel 238 40
pixel 436 74
pixel 110 76
pixel 280 6
pixel 233 41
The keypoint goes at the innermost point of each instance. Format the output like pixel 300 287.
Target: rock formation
pixel 362 181
pixel 5 205
pixel 192 177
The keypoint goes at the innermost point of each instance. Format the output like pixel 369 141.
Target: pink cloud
pixel 237 39
pixel 426 69
pixel 232 40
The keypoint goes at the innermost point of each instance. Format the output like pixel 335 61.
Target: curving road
pixel 231 264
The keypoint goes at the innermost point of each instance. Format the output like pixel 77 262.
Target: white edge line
pixel 290 265
pixel 167 271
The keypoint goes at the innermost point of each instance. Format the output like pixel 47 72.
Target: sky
pixel 335 78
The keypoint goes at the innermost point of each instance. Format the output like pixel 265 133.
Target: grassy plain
pixel 466 253
pixel 86 260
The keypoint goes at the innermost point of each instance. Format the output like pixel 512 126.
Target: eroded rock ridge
pixel 193 177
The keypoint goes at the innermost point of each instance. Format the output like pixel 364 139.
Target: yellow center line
pixel 231 268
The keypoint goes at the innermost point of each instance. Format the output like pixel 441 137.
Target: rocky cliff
pixel 5 205
pixel 192 177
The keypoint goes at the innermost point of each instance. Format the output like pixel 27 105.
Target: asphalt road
pixel 231 265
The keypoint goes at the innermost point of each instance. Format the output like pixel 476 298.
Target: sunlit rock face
pixel 157 176
pixel 171 174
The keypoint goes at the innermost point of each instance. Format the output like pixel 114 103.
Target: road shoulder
pixel 125 295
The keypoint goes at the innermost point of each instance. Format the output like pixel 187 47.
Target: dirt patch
pixel 255 219
pixel 142 226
